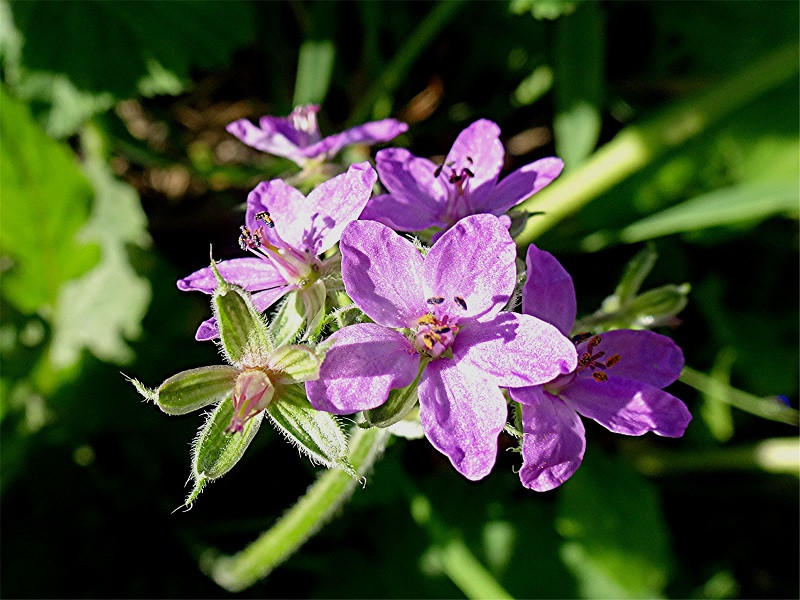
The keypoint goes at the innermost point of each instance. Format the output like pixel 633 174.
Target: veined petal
pixel 627 406
pixel 519 185
pixel 252 274
pixel 284 203
pixel 644 356
pixel 335 203
pixel 514 350
pixel 554 439
pixel 548 293
pixel 266 139
pixel 400 213
pixel 363 364
pixel 473 261
pixel 382 273
pixel 462 414
pixel 369 133
pixel 283 127
pixel 478 148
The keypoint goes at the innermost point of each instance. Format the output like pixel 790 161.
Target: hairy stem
pixel 299 523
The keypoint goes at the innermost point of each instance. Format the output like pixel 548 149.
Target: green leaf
pixel 543 9
pixel 616 540
pixel 243 334
pixel 316 434
pixel 746 203
pixel 314 70
pixel 656 306
pixel 46 202
pixel 294 364
pixel 194 389
pixel 716 408
pixel 288 323
pixel 104 307
pixel 215 452
pixel 579 83
pixel 123 48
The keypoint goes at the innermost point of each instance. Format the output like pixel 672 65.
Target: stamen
pixel 581 337
pixel 467 172
pixel 612 360
pixel 441 330
pixel 438 170
pixel 599 376
pixel 434 300
pixel 461 302
pixel 593 343
pixel 427 319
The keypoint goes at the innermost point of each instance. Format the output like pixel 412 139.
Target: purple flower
pixel 617 383
pixel 297 136
pixel 287 233
pixel 439 317
pixel 423 195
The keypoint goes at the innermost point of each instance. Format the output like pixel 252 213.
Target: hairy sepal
pixel 294 364
pixel 316 434
pixel 244 336
pixel 288 323
pixel 215 452
pixel 194 389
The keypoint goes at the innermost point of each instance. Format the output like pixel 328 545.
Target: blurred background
pixel 117 174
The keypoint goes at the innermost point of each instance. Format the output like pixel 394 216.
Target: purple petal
pixel 399 213
pixel 207 331
pixel 474 261
pixel 369 133
pixel 515 350
pixel 627 406
pixel 548 293
pixel 365 362
pixel 250 273
pixel 266 140
pixel 478 149
pixel 261 300
pixel 283 127
pixel 519 185
pixel 462 414
pixel 335 203
pixel 644 356
pixel 282 202
pixel 554 439
pixel 382 273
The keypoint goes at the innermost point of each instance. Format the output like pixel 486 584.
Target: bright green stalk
pixel 395 72
pixel 304 519
pixel 638 145
pixel 767 408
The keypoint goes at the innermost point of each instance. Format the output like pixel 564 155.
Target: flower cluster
pixel 433 326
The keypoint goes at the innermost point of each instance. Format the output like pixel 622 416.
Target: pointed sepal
pixel 244 336
pixel 192 390
pixel 288 323
pixel 294 364
pixel 313 298
pixel 316 434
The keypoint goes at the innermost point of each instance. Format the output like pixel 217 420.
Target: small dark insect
pixel 461 302
pixel 435 300
pixel 264 216
pixel 581 337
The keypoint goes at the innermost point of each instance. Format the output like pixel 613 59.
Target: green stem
pixel 778 455
pixel 638 145
pixel 397 69
pixel 768 408
pixel 458 563
pixel 304 519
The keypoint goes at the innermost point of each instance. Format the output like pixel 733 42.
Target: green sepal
pixel 288 323
pixel 194 389
pixel 243 333
pixel 215 452
pixel 294 364
pixel 655 307
pixel 397 405
pixel 636 271
pixel 315 433
pixel 313 298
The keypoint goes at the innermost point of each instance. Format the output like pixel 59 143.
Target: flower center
pixel 457 178
pixel 435 332
pixel 296 267
pixel 590 359
pixel 304 120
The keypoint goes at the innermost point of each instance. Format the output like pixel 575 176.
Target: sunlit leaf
pixel 314 70
pixel 46 201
